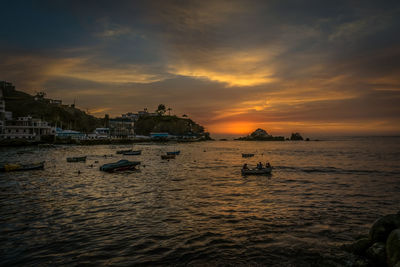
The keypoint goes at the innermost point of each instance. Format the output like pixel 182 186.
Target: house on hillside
pixel 6 87
pixel 26 128
pixel 55 102
pixel 122 127
pixel 100 133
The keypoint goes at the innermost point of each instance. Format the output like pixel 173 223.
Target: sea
pixel 197 209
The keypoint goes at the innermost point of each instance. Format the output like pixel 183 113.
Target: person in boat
pixel 259 165
pixel 267 165
pixel 245 167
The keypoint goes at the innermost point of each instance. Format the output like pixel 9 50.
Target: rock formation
pixel 382 246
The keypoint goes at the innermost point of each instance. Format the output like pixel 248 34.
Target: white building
pixel 26 128
pixel 100 133
pixel 2 111
pixel 4 115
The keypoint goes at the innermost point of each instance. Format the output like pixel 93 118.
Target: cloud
pixel 231 65
pixel 236 68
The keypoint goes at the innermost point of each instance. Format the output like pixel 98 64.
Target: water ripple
pixel 197 209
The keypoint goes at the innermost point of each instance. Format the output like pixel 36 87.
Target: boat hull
pixel 124 151
pixel 22 167
pixel 122 165
pixel 174 152
pixel 256 171
pixel 132 153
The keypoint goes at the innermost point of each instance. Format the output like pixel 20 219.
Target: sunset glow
pixel 233 66
pixel 237 128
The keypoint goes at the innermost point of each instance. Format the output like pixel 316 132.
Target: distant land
pixel 262 135
pixel 69 117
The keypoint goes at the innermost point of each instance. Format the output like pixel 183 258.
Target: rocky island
pixel 261 135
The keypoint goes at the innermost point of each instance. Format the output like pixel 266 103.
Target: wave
pixel 321 169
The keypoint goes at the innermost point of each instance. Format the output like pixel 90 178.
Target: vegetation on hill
pixel 169 124
pixel 23 104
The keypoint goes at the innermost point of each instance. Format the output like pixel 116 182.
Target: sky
pixel 314 67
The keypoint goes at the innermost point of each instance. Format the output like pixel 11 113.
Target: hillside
pixel 23 104
pixel 170 124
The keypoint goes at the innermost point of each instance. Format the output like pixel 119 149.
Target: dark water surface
pixel 197 209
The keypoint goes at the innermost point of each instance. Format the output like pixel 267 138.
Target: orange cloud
pixel 98 110
pixel 243 68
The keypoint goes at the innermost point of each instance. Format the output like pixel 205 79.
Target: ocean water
pixel 197 209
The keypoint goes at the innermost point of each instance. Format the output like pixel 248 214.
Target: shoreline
pixel 21 143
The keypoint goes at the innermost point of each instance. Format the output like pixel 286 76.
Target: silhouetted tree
pixel 161 109
pixel 106 120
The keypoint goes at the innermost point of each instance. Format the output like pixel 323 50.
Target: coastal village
pixel 132 126
pixel 30 129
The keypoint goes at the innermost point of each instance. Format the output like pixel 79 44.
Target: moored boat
pixel 174 152
pixel 257 171
pixel 132 152
pixel 122 165
pixel 247 155
pixel 124 151
pixel 9 167
pixel 76 159
pixel 172 156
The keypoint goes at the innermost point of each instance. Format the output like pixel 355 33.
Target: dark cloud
pixel 220 61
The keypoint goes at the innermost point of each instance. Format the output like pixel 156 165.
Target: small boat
pixel 132 152
pixel 174 152
pixel 172 156
pixel 247 155
pixel 76 159
pixel 257 171
pixel 9 167
pixel 124 151
pixel 122 165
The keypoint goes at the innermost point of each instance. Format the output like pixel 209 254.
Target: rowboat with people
pixel 259 170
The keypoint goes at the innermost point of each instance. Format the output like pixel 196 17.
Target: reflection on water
pixel 197 208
